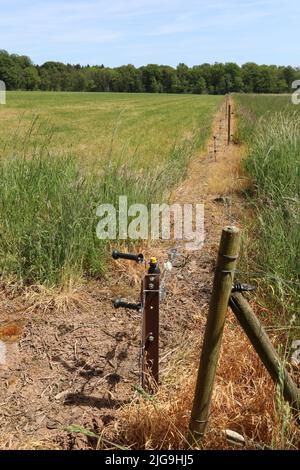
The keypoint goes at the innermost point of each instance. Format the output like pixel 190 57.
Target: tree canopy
pixel 19 73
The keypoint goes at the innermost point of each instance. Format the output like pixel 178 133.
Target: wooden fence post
pixel 264 348
pixel 222 287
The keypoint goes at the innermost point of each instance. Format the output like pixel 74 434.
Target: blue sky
pixel 115 32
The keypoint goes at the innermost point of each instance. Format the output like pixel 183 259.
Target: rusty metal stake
pixel 215 147
pixel 150 334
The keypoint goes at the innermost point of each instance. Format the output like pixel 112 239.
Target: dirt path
pixel 80 366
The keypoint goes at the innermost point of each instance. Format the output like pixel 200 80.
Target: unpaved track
pixel 80 366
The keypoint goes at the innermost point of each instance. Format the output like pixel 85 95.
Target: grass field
pixel 62 154
pixel 270 126
pixel 145 127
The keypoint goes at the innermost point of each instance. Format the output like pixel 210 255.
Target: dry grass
pixel 208 178
pixel 225 181
pixel 72 296
pixel 9 443
pixel 58 300
pixel 244 401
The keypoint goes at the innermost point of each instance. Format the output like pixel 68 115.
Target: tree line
pixel 19 73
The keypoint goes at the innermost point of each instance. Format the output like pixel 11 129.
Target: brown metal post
pixel 229 124
pixel 215 147
pixel 150 339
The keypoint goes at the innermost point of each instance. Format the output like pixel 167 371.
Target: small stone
pixel 234 438
pixel 224 200
pixel 2 353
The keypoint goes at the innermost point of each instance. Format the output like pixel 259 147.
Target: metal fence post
pixel 229 124
pixel 150 334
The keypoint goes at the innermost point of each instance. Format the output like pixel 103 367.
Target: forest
pixel 20 73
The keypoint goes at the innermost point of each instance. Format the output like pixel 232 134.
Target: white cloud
pixel 201 23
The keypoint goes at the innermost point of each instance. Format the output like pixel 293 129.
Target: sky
pixel 139 32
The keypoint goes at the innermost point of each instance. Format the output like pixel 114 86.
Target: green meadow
pixel 141 127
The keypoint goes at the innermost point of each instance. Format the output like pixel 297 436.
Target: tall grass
pixel 47 216
pixel 273 162
pixel 48 205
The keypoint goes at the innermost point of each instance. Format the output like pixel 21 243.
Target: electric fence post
pixel 215 148
pixel 229 124
pixel 148 306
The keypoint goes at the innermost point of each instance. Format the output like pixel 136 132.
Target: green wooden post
pixel 222 287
